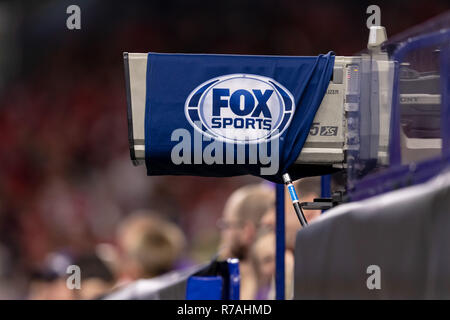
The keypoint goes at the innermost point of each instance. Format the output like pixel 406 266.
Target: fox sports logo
pixel 240 108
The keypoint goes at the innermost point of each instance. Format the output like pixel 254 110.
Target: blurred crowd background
pixel 67 185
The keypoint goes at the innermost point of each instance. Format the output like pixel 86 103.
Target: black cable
pixel 295 202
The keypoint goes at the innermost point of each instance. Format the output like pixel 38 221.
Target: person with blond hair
pixel 148 246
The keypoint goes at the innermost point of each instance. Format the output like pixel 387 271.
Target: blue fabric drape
pixel 171 78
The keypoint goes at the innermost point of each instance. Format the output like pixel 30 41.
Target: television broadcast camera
pixel 353 121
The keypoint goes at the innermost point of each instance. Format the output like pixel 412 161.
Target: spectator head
pixel 263 257
pixel 96 278
pixel 241 217
pixel 149 245
pixel 48 282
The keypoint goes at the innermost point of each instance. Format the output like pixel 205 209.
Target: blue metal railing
pixel 280 243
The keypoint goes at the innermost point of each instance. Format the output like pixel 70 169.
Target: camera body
pixel 354 117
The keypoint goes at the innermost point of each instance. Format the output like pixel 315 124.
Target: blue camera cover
pixel 228 115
